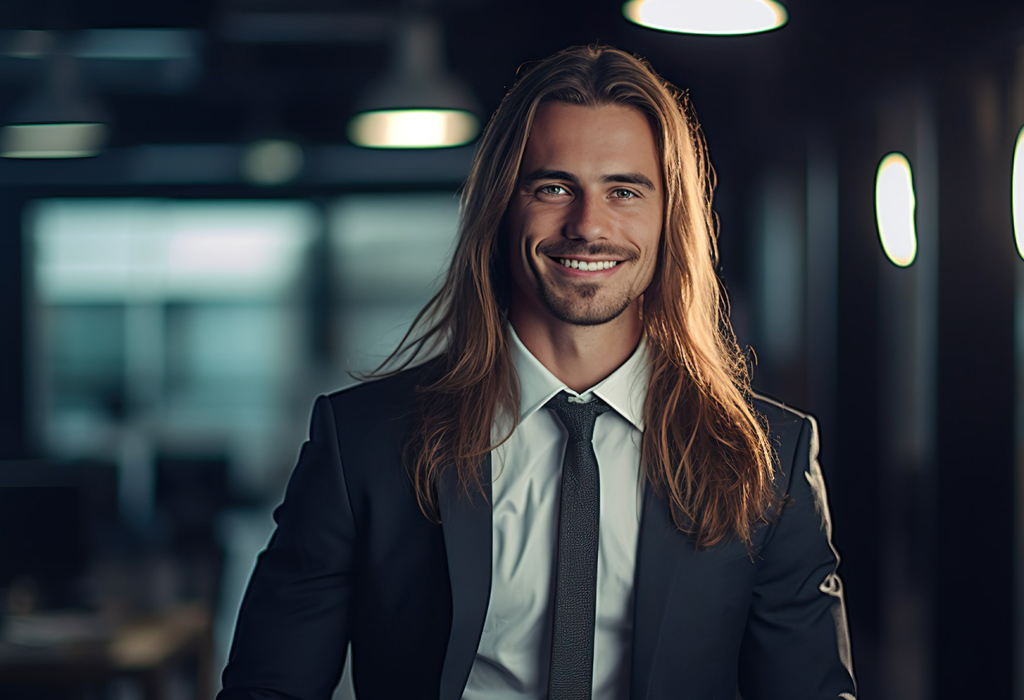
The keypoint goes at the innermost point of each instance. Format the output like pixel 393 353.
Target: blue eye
pixel 548 189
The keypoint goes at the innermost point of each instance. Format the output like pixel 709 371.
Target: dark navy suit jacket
pixel 354 560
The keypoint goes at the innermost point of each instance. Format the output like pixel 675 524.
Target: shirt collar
pixel 624 390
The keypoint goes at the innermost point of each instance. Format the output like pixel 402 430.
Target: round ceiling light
pixel 712 17
pixel 271 161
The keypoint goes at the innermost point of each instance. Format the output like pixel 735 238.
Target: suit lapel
pixel 658 557
pixel 466 522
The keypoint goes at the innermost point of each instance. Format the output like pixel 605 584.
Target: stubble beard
pixel 576 304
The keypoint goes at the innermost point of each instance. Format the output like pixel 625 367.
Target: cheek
pixel 515 248
pixel 511 233
pixel 648 238
pixel 652 252
pixel 517 223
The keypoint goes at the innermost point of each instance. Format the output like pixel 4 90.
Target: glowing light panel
pixel 1018 193
pixel 894 209
pixel 89 251
pixel 52 140
pixel 716 17
pixel 413 128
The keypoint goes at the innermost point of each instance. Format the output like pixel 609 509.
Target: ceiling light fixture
pixel 419 104
pixel 712 17
pixel 272 161
pixel 59 121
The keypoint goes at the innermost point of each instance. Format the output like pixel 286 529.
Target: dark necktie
pixel 572 637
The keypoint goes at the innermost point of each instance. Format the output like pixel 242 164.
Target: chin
pixel 585 314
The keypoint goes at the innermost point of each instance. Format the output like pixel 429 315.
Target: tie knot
pixel 578 418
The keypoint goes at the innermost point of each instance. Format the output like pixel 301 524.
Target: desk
pixel 145 647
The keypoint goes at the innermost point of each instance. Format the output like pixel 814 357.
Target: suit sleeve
pixel 293 625
pixel 796 645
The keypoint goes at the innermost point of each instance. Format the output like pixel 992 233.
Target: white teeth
pixel 591 266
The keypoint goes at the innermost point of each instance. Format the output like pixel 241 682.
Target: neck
pixel 580 356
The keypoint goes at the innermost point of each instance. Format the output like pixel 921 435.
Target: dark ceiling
pixel 297 65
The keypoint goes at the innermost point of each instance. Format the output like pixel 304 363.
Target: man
pixel 579 496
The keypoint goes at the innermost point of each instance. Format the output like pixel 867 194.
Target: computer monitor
pixel 50 513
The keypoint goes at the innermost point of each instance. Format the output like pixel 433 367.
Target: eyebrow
pixel 638 179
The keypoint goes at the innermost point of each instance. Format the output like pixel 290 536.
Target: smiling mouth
pixel 589 266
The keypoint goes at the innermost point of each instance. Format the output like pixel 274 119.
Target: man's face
pixel 589 194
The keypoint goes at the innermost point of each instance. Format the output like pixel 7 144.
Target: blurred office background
pixel 194 244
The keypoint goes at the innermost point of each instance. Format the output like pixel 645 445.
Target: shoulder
pixel 386 390
pixel 779 414
pixel 784 421
pixel 392 395
pixel 793 433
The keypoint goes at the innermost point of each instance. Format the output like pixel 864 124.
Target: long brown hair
pixel 704 447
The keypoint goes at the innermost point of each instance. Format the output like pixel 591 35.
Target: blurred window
pixel 174 322
pixel 389 256
pixel 208 326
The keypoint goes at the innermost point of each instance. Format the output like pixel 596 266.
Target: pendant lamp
pixel 418 104
pixel 59 121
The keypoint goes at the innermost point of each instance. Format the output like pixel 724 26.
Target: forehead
pixel 591 141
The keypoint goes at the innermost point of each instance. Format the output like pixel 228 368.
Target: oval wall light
pixel 1017 197
pixel 894 209
pixel 713 17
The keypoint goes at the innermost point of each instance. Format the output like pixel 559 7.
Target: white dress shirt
pixel 515 647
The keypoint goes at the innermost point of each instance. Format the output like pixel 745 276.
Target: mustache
pixel 569 248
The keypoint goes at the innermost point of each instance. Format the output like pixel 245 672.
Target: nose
pixel 586 220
